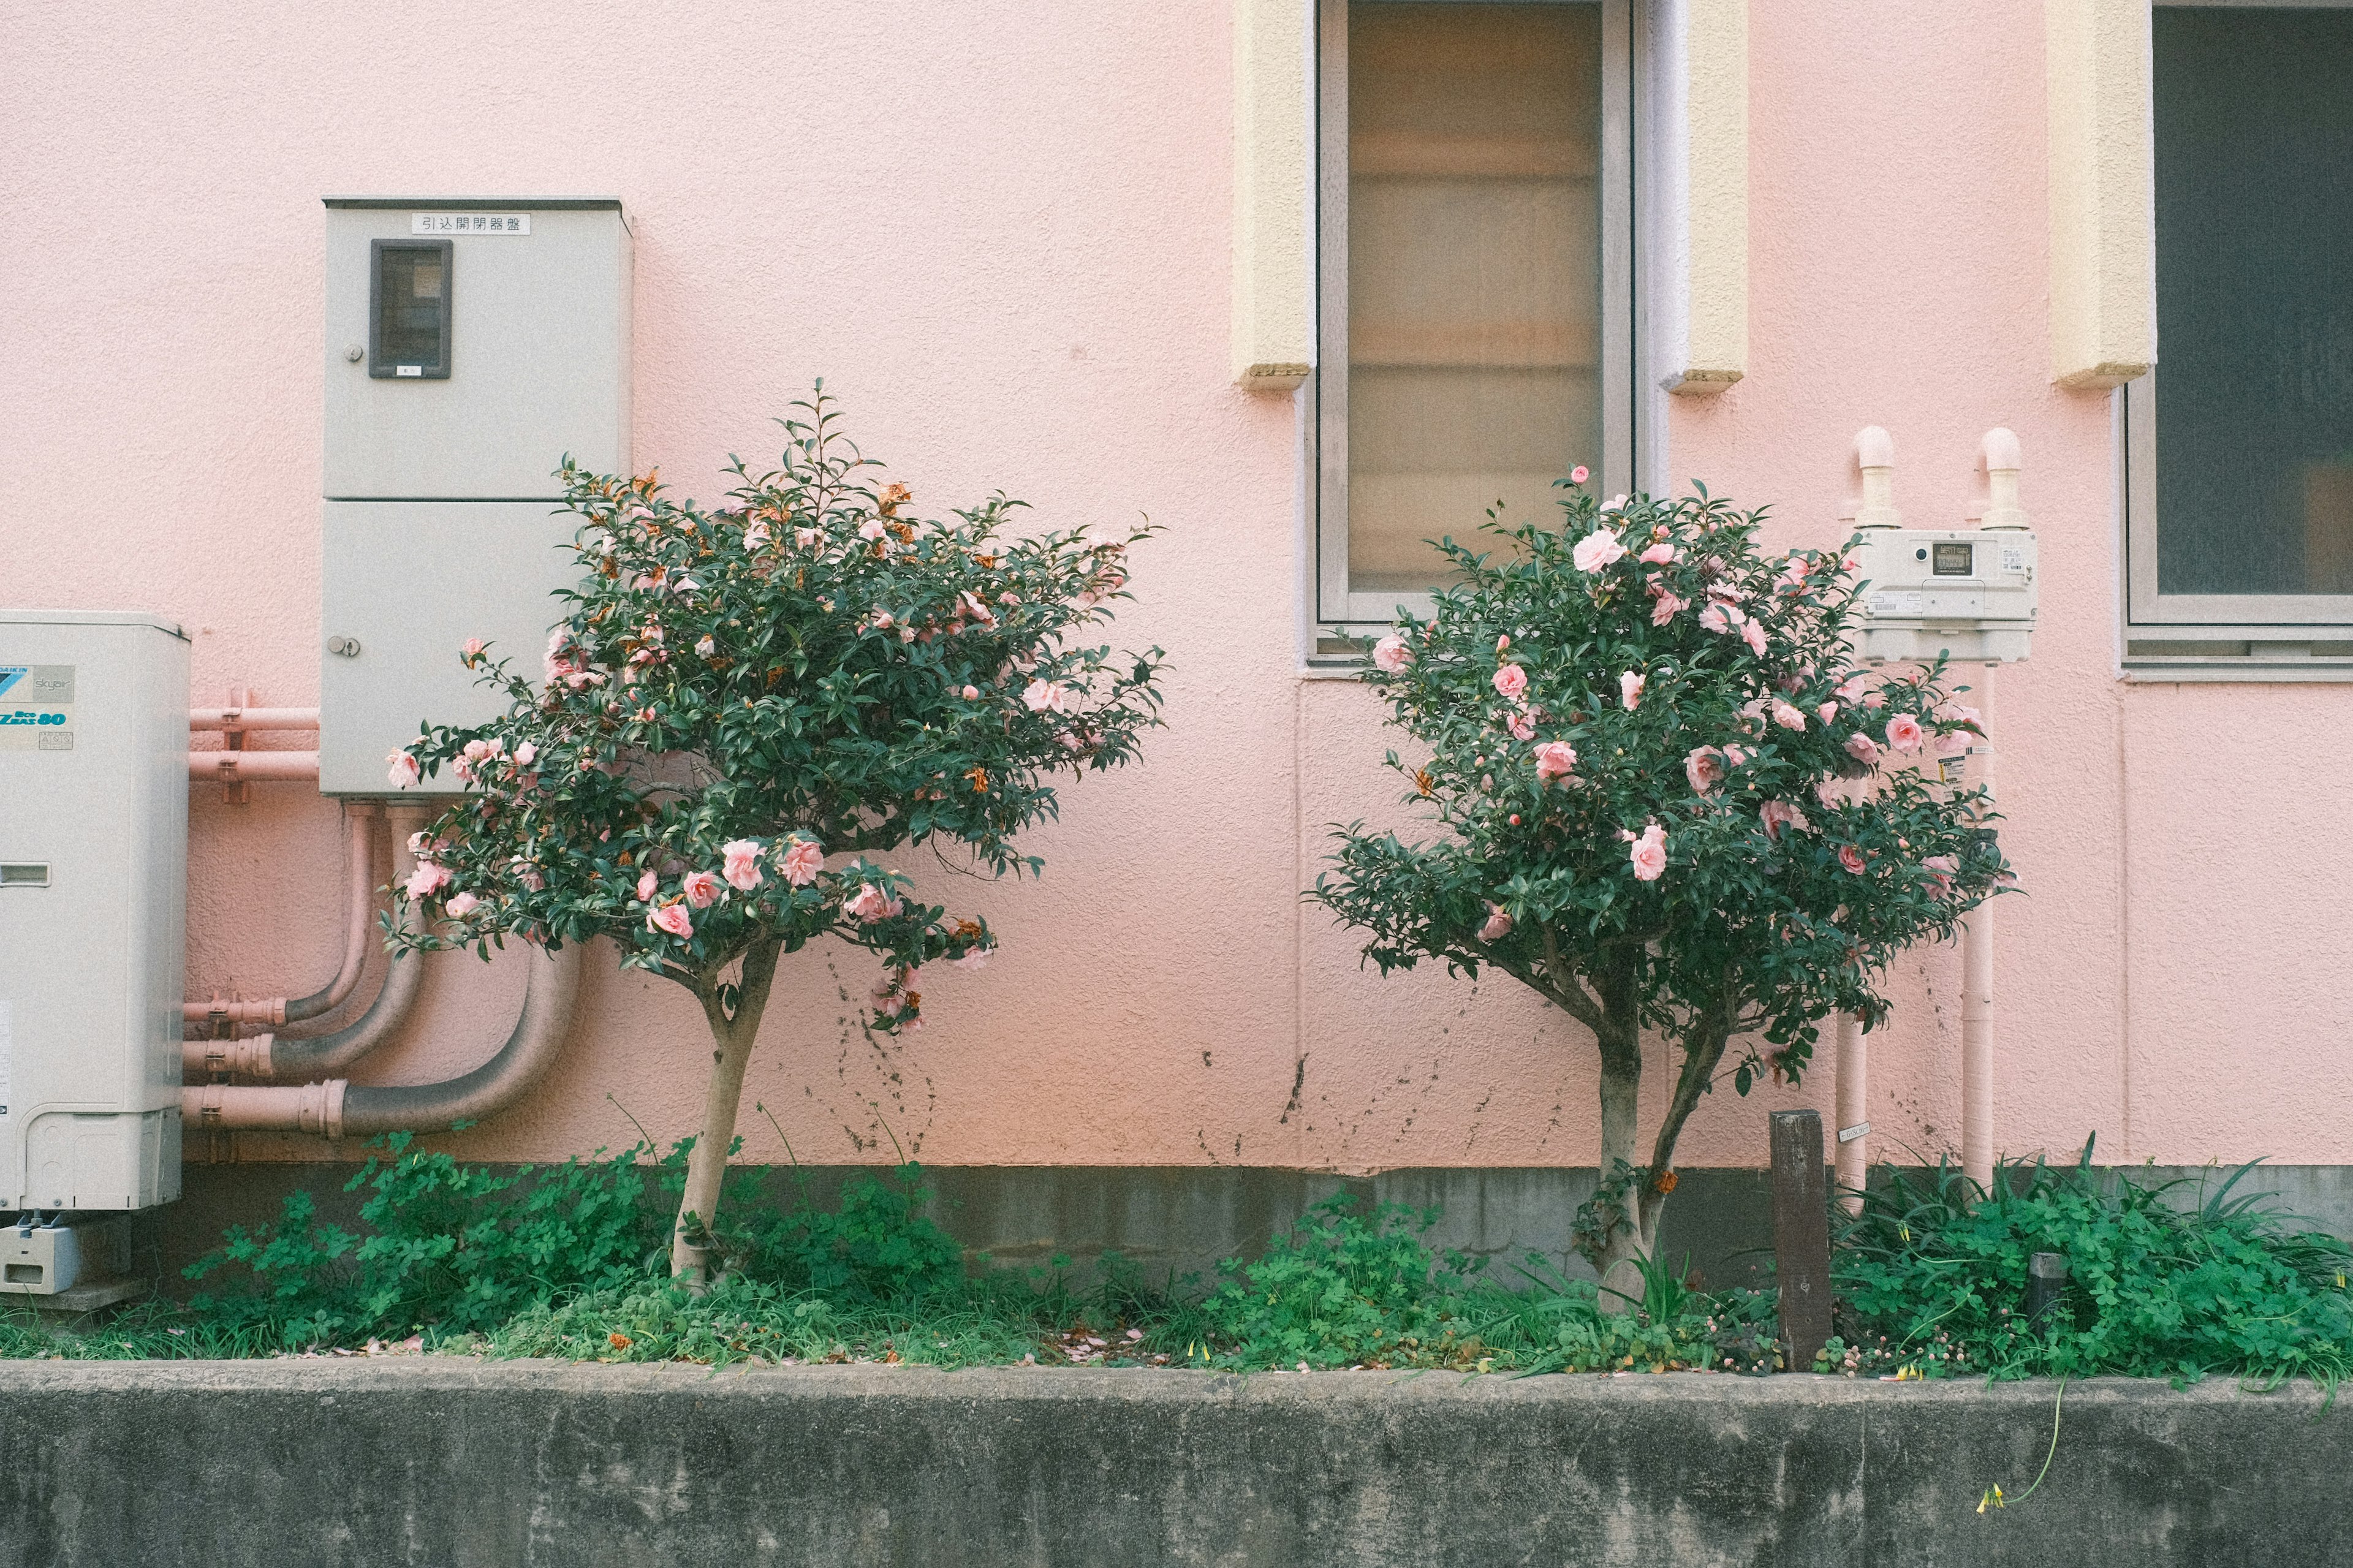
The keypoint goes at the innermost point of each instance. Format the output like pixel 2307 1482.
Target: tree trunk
pixel 731 1037
pixel 1626 1245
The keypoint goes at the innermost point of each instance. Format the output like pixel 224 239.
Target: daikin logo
pixel 10 674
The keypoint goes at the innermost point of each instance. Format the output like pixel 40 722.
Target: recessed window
pixel 1475 315
pixel 2239 445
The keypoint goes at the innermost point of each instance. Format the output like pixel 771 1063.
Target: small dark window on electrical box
pixel 24 874
pixel 1954 561
pixel 408 309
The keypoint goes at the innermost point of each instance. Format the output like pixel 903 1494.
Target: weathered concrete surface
pixel 460 1465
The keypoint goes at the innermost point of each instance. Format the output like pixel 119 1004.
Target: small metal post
pixel 2046 1282
pixel 1802 1234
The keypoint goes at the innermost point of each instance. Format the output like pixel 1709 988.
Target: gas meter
pixel 1967 593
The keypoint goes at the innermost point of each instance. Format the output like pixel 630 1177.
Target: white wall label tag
pixel 468 223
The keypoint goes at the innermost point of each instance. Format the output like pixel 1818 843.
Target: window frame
pixel 2209 636
pixel 1337 608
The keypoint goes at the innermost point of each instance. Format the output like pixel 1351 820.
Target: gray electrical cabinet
pixel 93 908
pixel 472 343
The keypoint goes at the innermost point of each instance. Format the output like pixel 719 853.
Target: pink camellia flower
pixel 803 861
pixel 1827 711
pixel 1862 748
pixel 1503 644
pixel 474 646
pixel 1630 688
pixel 1778 815
pixel 461 905
pixel 868 904
pixel 428 879
pixel 1499 924
pixel 1043 696
pixel 1705 768
pixel 1850 690
pixel 1941 869
pixel 1788 717
pixel 1852 859
pixel 1665 609
pixel 1658 554
pixel 401 769
pixel 529 875
pixel 1904 733
pixel 1734 755
pixel 701 889
pixel 1392 654
pixel 1597 550
pixel 525 754
pixel 672 918
pixel 871 528
pixel 1752 632
pixel 646 886
pixel 971 694
pixel 1717 617
pixel 1522 727
pixel 1952 743
pixel 1793 576
pixel 477 750
pixel 1579 474
pixel 1962 714
pixel 1649 854
pixel 1555 759
pixel 975 958
pixel 740 866
pixel 1511 680
pixel 1875 699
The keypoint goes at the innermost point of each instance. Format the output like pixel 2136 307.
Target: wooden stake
pixel 1801 1236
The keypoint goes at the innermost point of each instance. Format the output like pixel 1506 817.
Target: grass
pixel 2166 1281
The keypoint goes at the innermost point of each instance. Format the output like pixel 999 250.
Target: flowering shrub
pixel 743 708
pixel 1668 800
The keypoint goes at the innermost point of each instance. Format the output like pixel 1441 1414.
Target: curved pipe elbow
pixel 550 1002
pixel 338 1108
pixel 359 917
pixel 404 982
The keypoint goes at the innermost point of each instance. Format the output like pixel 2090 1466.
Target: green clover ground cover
pixel 568 1262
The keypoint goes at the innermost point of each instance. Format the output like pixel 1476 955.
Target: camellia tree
pixel 743 709
pixel 1670 801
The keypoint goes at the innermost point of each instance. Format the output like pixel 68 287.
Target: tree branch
pixel 1567 989
pixel 1714 1032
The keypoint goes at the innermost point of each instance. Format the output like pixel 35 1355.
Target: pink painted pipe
pixel 232 718
pixel 242 767
pixel 359 912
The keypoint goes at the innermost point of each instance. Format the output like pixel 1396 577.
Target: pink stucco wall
pixel 1001 232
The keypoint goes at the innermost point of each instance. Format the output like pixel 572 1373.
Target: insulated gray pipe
pixel 550 1001
pixel 281 1057
pixel 359 917
pixel 339 1109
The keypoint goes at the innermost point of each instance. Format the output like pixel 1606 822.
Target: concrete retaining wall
pixel 456 1464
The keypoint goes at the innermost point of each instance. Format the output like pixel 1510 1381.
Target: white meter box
pixel 463 361
pixel 472 343
pixel 1967 593
pixel 407 583
pixel 94 897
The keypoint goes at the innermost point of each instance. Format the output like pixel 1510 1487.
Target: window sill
pixel 2178 659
